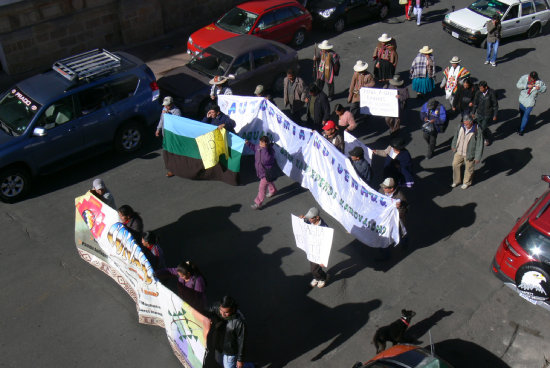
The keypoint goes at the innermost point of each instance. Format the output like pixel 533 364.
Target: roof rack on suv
pixel 87 65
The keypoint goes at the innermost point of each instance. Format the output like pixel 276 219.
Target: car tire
pixel 533 31
pixel 299 38
pixel 14 184
pixel 129 137
pixel 384 11
pixel 340 25
pixel 533 282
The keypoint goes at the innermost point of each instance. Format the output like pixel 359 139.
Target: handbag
pixel 428 128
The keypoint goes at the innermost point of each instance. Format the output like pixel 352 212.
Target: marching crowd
pixel 475 104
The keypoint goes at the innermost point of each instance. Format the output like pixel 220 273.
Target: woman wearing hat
pixel 385 58
pixel 422 71
pixel 327 64
pixel 452 77
pixel 219 87
pixel 394 123
pixel 361 78
pixel 398 163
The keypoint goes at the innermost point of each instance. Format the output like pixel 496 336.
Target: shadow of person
pixel 542 119
pixel 285 193
pixel 515 54
pixel 434 15
pixel 420 328
pixel 509 161
pixel 461 353
pixel 509 125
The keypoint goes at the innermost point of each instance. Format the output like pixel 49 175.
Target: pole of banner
pixel 315 62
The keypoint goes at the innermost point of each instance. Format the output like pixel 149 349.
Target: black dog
pixel 393 332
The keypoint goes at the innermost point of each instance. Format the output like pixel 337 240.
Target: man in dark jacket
pixel 485 110
pixel 361 166
pixel 318 108
pixel 215 117
pixel 228 333
pixel 464 97
pixel 433 116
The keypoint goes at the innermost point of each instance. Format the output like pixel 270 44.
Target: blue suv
pixel 96 99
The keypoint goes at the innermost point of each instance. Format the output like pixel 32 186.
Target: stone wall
pixel 35 33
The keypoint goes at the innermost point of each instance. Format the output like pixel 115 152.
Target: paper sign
pixel 379 102
pixel 315 240
pixel 211 146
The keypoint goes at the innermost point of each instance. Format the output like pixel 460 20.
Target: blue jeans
pixel 227 361
pixel 492 46
pixel 524 113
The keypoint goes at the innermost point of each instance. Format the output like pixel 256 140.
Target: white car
pixel 517 17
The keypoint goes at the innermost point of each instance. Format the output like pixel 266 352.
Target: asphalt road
pixel 60 312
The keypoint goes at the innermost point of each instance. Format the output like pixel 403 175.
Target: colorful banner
pixel 211 146
pixel 308 158
pixel 104 242
pixel 379 102
pixel 315 240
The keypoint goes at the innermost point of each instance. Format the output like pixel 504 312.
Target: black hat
pixel 357 152
pixel 398 143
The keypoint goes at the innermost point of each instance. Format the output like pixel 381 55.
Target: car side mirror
pixel 231 76
pixel 39 132
pixel 255 31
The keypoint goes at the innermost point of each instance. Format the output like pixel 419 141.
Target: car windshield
pixel 237 20
pixel 210 62
pixel 489 8
pixel 16 112
pixel 533 241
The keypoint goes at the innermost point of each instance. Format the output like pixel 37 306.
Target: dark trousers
pixel 484 125
pixel 430 138
pixel 317 271
pixel 321 84
pixel 296 111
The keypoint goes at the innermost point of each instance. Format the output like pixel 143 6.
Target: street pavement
pixel 58 311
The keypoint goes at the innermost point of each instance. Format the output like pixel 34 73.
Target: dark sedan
pixel 250 60
pixel 336 14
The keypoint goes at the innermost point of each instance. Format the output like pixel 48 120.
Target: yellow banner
pixel 211 146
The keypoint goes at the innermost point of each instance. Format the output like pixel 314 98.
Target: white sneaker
pixel 314 283
pixel 321 284
pixel 269 195
pixel 486 62
pixel 493 64
pixel 464 186
pixel 453 185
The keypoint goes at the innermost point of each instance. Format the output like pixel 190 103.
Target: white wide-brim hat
pixel 384 38
pixel 360 66
pixel 426 50
pixel 455 60
pixel 325 45
pixel 218 80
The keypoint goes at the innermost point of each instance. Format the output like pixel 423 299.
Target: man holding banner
pixel 319 275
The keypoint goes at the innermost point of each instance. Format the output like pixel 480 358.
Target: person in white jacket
pixel 530 87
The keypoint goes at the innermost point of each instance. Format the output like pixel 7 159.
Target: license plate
pixel 454 34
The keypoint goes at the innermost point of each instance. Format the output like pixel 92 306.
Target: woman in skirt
pixel 385 58
pixel 422 72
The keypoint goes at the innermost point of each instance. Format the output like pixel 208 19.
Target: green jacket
pixel 528 99
pixel 474 151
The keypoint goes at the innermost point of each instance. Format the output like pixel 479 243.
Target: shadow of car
pixel 247 60
pixel 337 14
pixel 285 21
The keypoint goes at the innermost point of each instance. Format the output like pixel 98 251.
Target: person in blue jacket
pixel 433 116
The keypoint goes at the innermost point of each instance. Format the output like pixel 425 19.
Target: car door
pixel 265 28
pixel 241 68
pixel 63 136
pixel 94 114
pixel 510 21
pixel 357 10
pixel 265 64
pixel 282 30
pixel 527 16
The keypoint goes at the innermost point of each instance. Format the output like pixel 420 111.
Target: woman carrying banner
pixel 132 220
pixel 319 275
pixel 191 283
pixel 264 162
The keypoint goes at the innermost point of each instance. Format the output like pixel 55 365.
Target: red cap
pixel 329 125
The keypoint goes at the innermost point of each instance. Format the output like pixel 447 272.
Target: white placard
pixel 379 102
pixel 315 240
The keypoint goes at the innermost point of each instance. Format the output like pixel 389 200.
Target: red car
pixel 404 356
pixel 522 260
pixel 278 20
